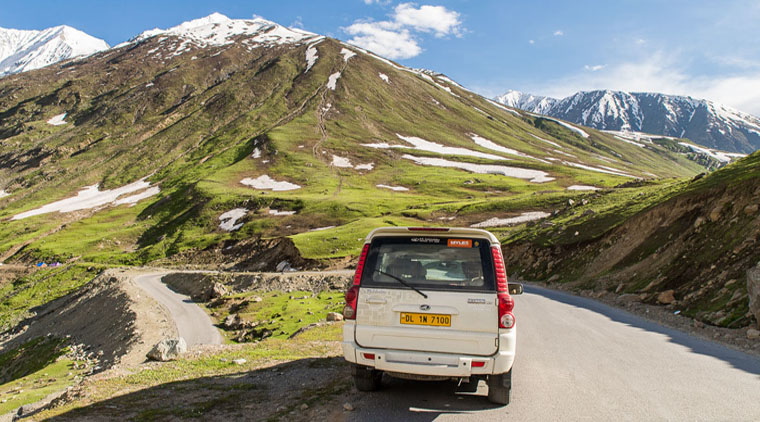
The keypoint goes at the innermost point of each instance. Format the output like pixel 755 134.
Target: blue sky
pixel 706 49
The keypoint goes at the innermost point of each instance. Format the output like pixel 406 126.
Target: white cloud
pixel 374 36
pixel 531 41
pixel 298 23
pixel 380 2
pixel 428 18
pixel 395 39
pixel 595 68
pixel 666 73
pixel 558 33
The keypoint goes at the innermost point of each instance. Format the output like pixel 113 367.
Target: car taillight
pixel 478 364
pixel 360 265
pixel 349 311
pixel 506 304
pixel 428 229
pixel 501 269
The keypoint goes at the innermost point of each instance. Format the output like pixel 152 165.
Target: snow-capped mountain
pixel 22 50
pixel 217 30
pixel 704 122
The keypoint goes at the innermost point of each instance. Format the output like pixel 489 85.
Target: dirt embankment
pixel 690 253
pixel 204 286
pixel 110 316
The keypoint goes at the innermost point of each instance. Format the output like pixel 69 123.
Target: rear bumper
pixel 430 363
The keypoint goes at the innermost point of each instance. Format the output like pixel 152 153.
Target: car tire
pixel 366 379
pixel 500 388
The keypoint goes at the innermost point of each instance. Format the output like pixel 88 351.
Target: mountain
pixel 22 50
pixel 247 144
pixel 703 122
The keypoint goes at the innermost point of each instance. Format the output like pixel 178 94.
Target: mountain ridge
pixel 702 121
pixel 24 50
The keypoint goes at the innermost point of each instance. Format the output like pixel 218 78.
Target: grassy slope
pixel 693 237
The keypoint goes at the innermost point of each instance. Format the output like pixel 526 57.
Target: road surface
pixel 193 324
pixel 578 359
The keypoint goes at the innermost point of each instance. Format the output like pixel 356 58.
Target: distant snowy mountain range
pixel 22 50
pixel 704 122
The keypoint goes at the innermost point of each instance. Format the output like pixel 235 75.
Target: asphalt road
pixel 193 324
pixel 578 359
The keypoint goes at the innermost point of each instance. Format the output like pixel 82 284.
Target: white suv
pixel 431 304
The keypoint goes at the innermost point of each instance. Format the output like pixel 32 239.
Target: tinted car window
pixel 430 263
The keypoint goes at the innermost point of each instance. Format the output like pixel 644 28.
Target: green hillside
pixel 192 124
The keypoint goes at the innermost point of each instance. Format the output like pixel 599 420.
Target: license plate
pixel 438 320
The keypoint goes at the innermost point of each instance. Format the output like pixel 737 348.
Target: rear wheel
pixel 500 388
pixel 366 379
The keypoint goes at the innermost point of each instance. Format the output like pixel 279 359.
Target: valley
pixel 241 164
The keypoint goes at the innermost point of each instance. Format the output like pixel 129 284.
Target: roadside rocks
pixel 334 316
pixel 753 291
pixel 667 297
pixel 168 349
pixel 753 334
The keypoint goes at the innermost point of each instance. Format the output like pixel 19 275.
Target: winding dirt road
pixel 193 324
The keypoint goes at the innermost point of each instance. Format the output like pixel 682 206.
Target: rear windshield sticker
pixel 460 243
pixel 426 240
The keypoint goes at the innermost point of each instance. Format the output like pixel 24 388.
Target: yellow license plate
pixel 438 320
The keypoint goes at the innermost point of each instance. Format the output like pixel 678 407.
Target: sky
pixel 700 48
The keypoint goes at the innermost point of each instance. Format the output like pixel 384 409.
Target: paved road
pixel 578 359
pixel 193 324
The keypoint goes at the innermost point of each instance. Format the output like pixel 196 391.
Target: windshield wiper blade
pixel 403 282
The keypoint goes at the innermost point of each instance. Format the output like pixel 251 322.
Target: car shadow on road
pixel 735 358
pixel 418 401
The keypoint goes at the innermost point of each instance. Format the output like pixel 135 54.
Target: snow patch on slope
pixel 534 176
pixel 264 182
pixel 230 218
pixel 91 197
pixel 393 188
pixel 333 80
pixel 522 218
pixel 424 145
pixel 57 120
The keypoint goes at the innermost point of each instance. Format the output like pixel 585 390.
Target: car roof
pixel 432 232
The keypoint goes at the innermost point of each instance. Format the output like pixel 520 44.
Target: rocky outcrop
pixel 753 290
pixel 168 349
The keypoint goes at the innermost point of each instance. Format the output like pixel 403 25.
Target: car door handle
pixel 376 300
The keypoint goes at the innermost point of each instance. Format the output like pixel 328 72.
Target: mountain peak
pixel 23 50
pixel 704 122
pixel 217 29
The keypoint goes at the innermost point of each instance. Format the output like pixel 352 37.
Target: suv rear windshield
pixel 436 263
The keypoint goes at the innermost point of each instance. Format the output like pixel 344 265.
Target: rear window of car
pixel 438 263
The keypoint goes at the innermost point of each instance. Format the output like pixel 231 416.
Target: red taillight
pixel 478 364
pixel 349 311
pixel 506 304
pixel 360 265
pixel 370 356
pixel 501 269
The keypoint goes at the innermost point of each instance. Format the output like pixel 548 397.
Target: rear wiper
pixel 403 282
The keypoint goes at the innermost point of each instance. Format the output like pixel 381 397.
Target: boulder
pixel 753 290
pixel 667 297
pixel 218 290
pixel 334 316
pixel 231 322
pixel 627 298
pixel 168 349
pixel 715 213
pixel 753 334
pixel 751 209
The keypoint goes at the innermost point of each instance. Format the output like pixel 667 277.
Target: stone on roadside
pixel 304 406
pixel 753 334
pixel 667 297
pixel 347 407
pixel 218 290
pixel 753 291
pixel 334 316
pixel 256 299
pixel 168 349
pixel 231 322
pixel 240 361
